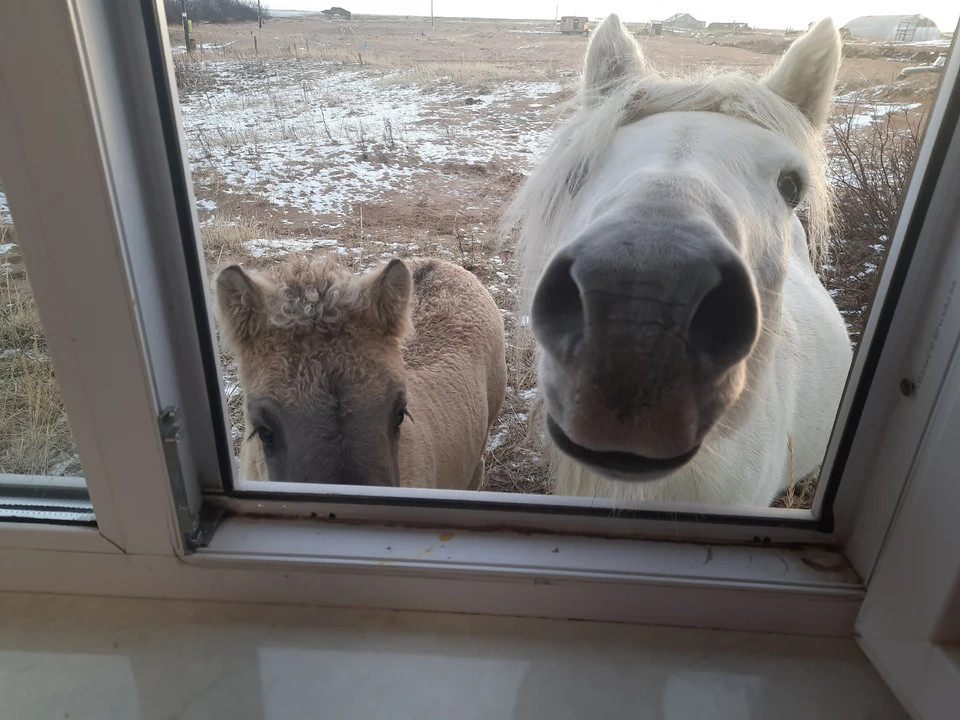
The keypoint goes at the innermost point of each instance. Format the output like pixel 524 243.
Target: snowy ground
pixel 315 137
pixel 864 110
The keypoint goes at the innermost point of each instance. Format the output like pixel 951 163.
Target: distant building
pixel 727 27
pixel 894 28
pixel 683 21
pixel 574 25
pixel 338 13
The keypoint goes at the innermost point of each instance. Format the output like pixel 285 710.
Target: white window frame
pixel 909 624
pixel 85 154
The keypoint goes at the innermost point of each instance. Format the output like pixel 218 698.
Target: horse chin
pixel 618 465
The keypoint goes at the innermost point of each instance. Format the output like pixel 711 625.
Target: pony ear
pixel 391 295
pixel 612 57
pixel 241 306
pixel 807 73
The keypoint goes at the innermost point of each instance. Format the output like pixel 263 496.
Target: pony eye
pixel 791 188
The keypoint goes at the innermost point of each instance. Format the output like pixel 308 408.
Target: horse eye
pixel 398 420
pixel 790 187
pixel 266 435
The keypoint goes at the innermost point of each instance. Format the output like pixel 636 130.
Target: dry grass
pixel 800 491
pixel 193 74
pixel 228 238
pixel 515 461
pixel 799 496
pixel 35 438
pixel 478 77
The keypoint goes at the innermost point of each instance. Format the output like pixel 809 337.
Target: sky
pixel 767 14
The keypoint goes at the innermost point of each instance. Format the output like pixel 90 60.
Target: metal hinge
pixel 195 527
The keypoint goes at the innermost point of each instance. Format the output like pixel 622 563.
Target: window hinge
pixel 195 527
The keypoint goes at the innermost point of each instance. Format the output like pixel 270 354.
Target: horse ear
pixel 391 294
pixel 807 73
pixel 612 57
pixel 241 306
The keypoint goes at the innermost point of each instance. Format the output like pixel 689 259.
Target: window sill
pixel 805 590
pixel 55 538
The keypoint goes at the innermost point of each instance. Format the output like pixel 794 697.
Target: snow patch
pixel 497 440
pixel 867 113
pixel 260 247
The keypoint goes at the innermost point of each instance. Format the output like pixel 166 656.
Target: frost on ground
pixel 319 138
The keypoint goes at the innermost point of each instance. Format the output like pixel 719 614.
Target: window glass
pixel 693 283
pixel 35 437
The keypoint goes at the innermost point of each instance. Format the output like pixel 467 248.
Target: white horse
pixel 687 349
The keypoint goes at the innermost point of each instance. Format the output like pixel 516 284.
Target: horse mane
pixel 543 204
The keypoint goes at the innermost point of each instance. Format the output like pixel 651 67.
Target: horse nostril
pixel 725 325
pixel 557 312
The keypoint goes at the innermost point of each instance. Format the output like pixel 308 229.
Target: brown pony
pixel 393 378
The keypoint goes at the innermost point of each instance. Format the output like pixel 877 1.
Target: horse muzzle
pixel 643 338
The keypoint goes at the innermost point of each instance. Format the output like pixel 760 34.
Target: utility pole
pixel 186 26
pixel 259 15
pixel 433 24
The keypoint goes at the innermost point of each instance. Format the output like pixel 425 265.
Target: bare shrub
pixel 872 157
pixel 213 11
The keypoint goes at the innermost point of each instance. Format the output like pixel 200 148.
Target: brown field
pixel 380 137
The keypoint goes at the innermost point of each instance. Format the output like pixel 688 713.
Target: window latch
pixel 195 532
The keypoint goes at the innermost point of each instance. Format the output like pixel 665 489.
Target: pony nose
pixel 642 305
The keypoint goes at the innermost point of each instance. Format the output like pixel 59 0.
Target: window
pixel 36 436
pixel 94 146
pixel 40 474
pixel 376 140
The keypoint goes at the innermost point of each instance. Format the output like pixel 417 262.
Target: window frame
pixel 909 623
pixel 95 136
pixel 914 278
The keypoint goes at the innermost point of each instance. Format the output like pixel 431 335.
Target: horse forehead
pixel 308 365
pixel 700 138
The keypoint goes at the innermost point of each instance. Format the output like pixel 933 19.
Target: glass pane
pixel 692 299
pixel 35 437
pixel 40 474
